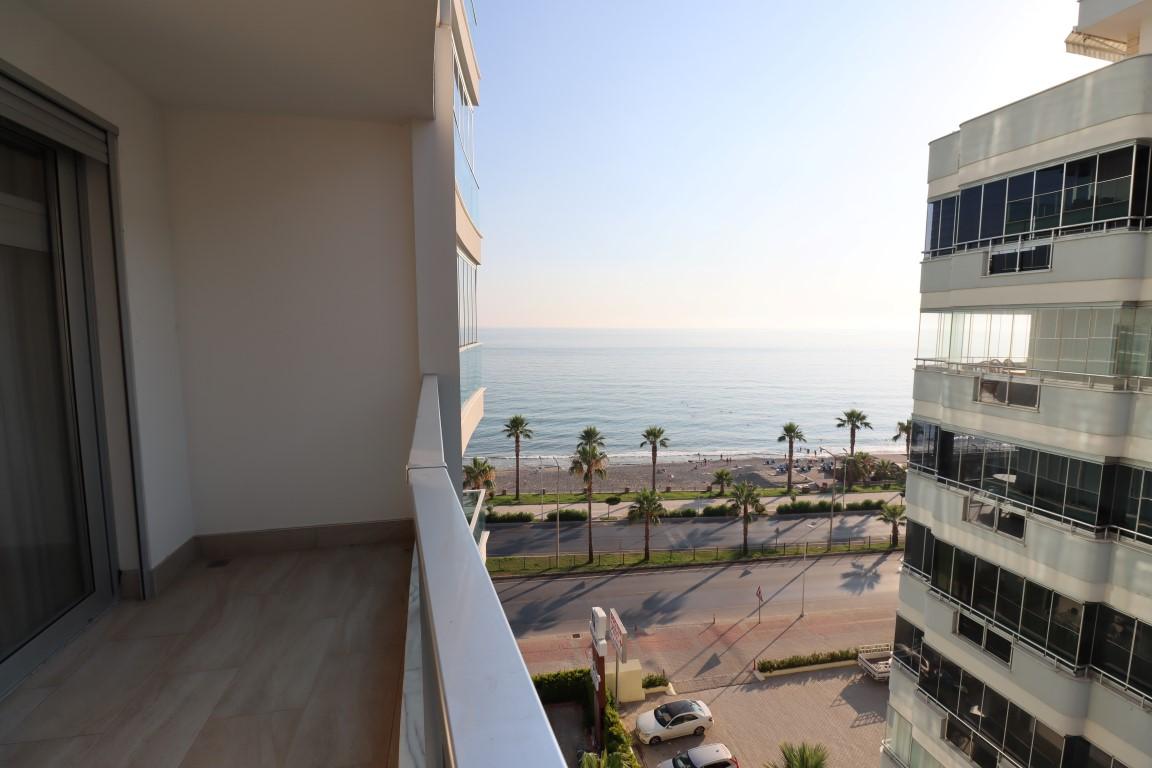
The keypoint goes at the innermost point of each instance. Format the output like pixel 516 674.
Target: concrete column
pixel 434 220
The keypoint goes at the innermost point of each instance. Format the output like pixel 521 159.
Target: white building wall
pixel 40 49
pixel 297 316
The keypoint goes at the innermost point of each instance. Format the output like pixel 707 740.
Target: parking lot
pixel 837 708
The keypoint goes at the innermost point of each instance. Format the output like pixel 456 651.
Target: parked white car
pixel 705 756
pixel 685 717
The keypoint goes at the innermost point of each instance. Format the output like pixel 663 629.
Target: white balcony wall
pixel 41 49
pixel 297 310
pixel 1072 419
pixel 1089 268
pixel 927 720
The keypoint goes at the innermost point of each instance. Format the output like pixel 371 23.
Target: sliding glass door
pixel 54 560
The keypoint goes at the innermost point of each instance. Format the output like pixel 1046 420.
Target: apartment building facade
pixel 239 247
pixel 1024 629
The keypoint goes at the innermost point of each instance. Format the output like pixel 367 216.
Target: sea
pixel 713 391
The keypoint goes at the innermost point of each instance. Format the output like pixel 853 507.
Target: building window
pixel 1097 191
pixel 466 304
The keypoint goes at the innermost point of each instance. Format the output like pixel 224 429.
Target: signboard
pixel 617 635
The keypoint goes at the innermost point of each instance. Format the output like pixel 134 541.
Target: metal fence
pixel 684 555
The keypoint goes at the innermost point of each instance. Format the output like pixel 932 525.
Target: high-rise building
pixel 238 370
pixel 1024 629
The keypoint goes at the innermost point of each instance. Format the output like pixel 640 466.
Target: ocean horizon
pixel 713 391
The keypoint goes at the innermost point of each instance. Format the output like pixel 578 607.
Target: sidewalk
pixel 701 656
pixel 600 510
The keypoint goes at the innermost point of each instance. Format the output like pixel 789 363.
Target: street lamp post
pixel 832 506
pixel 557 463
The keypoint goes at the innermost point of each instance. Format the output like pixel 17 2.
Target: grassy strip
pixel 611 561
pixel 626 498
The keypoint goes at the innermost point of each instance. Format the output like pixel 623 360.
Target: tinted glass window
pixel 949 693
pixel 1020 187
pixel 992 215
pixel 985 587
pixel 932 239
pixel 968 220
pixel 1078 203
pixel 971 699
pixel 1112 198
pixel 1018 734
pixel 1049 179
pixel 942 566
pixel 1047 747
pixel 1064 631
pixel 1037 612
pixel 1009 599
pixel 947 222
pixel 1141 675
pixel 1022 483
pixel 995 709
pixel 963 568
pixel 969 628
pixel 929 671
pixel 1112 644
pixel 998 646
pixel 1051 475
pixel 1079 172
pixel 1140 182
pixel 1126 497
pixel 914 546
pixel 1046 210
pixel 1083 499
pixel 1115 164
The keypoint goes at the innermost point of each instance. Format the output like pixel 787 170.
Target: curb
pixel 678 566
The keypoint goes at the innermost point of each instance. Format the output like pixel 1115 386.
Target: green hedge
pixel 573 685
pixel 718 510
pixel 765 666
pixel 509 517
pixel 654 680
pixel 568 515
pixel 617 740
pixel 683 512
pixel 825 506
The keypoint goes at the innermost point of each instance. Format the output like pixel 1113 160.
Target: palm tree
pixel 589 462
pixel 654 436
pixel 746 498
pixel 791 433
pixel 893 514
pixel 860 467
pixel 647 507
pixel 723 478
pixel 855 421
pixel 590 436
pixel 802 755
pixel 887 470
pixel 904 431
pixel 479 474
pixel 517 428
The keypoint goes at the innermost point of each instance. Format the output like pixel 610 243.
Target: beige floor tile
pixel 350 716
pixel 158 727
pixel 280 671
pixel 68 659
pixel 224 637
pixel 323 584
pixel 55 753
pixel 96 692
pixel 18 706
pixel 246 741
pixel 176 612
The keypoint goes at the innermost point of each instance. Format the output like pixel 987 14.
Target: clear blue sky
pixel 731 165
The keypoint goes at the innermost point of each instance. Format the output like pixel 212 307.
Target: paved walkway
pixel 702 656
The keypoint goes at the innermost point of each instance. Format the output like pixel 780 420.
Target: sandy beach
pixel 679 474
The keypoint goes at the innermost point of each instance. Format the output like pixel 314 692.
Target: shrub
pixel 567 685
pixel 764 666
pixel 682 512
pixel 567 515
pixel 612 501
pixel 509 517
pixel 617 740
pixel 654 681
pixel 718 510
pixel 807 506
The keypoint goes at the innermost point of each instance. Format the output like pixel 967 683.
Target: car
pixel 684 717
pixel 704 756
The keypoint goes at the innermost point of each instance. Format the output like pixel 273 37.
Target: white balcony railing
pixel 468 699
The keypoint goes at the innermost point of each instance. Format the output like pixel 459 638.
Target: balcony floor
pixel 293 659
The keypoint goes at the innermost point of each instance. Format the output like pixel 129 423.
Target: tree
pixel 479 474
pixel 647 507
pixel 791 433
pixel 904 431
pixel 590 436
pixel 589 462
pixel 802 755
pixel 887 470
pixel 603 760
pixel 517 428
pixel 893 514
pixel 746 498
pixel 855 421
pixel 723 478
pixel 654 437
pixel 860 467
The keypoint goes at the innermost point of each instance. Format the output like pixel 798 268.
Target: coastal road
pixel 540 538
pixel 538 606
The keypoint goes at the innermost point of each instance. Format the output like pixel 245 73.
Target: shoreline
pixel 677 474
